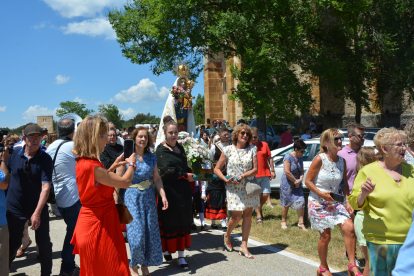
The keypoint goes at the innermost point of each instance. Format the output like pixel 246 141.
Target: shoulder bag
pixel 51 198
pixel 252 188
pixel 125 216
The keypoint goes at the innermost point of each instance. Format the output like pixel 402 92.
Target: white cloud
pixel 32 112
pixel 72 91
pixel 61 79
pixel 144 91
pixel 86 8
pixel 3 109
pixel 79 100
pixel 91 27
pixel 129 113
pixel 40 26
pixel 97 103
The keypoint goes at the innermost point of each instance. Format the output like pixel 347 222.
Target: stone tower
pixel 45 121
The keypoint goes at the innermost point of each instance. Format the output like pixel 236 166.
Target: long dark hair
pixel 201 135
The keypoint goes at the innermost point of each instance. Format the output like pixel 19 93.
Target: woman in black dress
pixel 175 222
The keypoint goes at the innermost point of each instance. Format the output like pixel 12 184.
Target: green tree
pixel 264 35
pixel 73 107
pixel 198 109
pixel 111 112
pixel 142 118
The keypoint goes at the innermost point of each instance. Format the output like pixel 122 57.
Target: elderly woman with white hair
pixel 383 189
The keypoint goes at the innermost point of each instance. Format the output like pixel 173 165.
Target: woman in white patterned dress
pixel 324 177
pixel 241 161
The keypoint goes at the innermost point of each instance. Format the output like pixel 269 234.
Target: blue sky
pixel 65 50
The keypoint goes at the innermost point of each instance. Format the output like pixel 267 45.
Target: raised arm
pixel 111 179
pixel 4 184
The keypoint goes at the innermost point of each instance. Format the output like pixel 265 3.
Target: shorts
pixel 264 182
pixel 358 221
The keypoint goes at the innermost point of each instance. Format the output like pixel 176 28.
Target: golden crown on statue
pixel 181 69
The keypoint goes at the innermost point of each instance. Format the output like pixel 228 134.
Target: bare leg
pixel 134 271
pixel 347 231
pixel 365 251
pixel 325 238
pixel 284 215
pixel 301 212
pixel 263 198
pixel 144 270
pixel 268 201
pixel 246 226
pixel 233 222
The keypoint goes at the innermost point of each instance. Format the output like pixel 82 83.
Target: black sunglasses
pixel 336 139
pixel 244 133
pixel 26 166
pixel 360 136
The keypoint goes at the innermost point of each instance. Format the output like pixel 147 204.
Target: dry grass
pixel 296 240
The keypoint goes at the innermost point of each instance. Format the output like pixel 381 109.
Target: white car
pixel 313 147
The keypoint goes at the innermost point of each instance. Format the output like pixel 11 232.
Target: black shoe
pixel 205 227
pixel 214 226
pixel 182 266
pixel 167 258
pixel 194 227
pixel 224 228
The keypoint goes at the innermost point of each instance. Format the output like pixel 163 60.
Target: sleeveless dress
pixel 326 214
pixel 97 237
pixel 290 196
pixel 143 232
pixel 237 199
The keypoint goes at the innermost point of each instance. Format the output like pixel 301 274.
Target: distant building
pixel 45 121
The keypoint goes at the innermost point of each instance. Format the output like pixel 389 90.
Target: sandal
pixel 283 226
pixel 227 247
pixel 247 255
pixel 302 226
pixel 259 221
pixel 351 273
pixel 321 270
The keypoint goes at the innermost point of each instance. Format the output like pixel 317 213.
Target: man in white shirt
pixel 66 189
pixel 307 134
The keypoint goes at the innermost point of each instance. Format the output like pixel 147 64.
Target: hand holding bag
pixel 125 216
pixel 252 188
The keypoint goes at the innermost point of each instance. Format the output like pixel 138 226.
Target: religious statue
pixel 179 104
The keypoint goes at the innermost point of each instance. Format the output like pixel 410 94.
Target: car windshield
pixel 290 149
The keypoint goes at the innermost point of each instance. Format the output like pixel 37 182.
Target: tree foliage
pixel 198 109
pixel 142 118
pixel 111 112
pixel 73 107
pixel 360 50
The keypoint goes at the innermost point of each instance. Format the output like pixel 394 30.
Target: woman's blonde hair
pixel 236 131
pixel 387 136
pixel 150 143
pixel 327 136
pixel 366 155
pixel 87 135
pixel 409 132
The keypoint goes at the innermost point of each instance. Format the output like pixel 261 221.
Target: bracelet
pixel 133 164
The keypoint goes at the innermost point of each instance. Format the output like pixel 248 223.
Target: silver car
pixel 313 147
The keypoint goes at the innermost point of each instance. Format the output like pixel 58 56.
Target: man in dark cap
pixel 30 171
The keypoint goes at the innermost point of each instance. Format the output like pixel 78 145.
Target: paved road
pixel 205 257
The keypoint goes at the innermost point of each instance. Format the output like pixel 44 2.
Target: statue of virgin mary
pixel 182 111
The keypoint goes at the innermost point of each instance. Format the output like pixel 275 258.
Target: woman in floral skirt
pixel 324 177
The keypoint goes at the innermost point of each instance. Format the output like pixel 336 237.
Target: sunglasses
pixel 336 139
pixel 255 137
pixel 26 166
pixel 244 133
pixel 360 136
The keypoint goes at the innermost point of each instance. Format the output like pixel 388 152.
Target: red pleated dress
pixel 98 238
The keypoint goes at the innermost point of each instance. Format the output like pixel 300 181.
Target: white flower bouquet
pixel 197 154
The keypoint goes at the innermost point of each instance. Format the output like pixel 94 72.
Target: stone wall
pixel 45 121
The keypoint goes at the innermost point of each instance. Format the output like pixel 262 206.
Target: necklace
pixel 173 148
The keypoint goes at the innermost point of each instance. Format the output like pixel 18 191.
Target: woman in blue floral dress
pixel 291 188
pixel 143 232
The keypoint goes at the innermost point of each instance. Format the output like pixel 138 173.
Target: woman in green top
pixel 384 190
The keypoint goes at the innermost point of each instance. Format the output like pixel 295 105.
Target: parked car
pixel 274 132
pixel 370 131
pixel 313 147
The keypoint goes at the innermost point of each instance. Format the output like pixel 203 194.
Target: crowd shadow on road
pixel 29 259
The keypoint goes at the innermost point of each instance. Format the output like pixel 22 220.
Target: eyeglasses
pixel 336 139
pixel 255 137
pixel 112 135
pixel 360 136
pixel 244 133
pixel 398 145
pixel 32 138
pixel 26 166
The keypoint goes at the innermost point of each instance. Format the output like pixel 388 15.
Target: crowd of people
pixel 92 186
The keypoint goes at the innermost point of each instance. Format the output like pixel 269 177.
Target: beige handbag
pixel 252 188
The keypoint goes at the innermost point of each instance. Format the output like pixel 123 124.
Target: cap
pixel 33 128
pixel 289 126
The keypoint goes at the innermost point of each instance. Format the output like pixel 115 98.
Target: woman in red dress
pixel 98 238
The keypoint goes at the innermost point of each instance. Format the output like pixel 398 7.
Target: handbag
pixel 125 216
pixel 252 188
